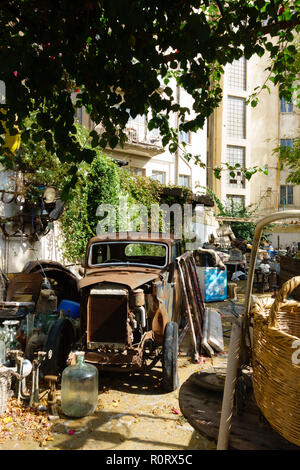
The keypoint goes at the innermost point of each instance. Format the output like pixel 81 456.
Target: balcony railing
pixel 138 133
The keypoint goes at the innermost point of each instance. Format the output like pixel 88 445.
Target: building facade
pixel 248 136
pixel 145 154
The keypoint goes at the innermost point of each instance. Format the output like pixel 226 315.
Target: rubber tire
pixel 169 357
pixel 58 346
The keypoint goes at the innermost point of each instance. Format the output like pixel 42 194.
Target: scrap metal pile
pixel 32 208
pixel 29 305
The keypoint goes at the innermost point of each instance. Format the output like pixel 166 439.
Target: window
pixel 135 253
pixel 184 180
pixel 185 136
pixel 236 155
pixel 285 107
pixel 154 136
pixel 78 115
pixel 286 194
pixel 235 201
pixel 137 171
pixel 136 128
pixel 2 91
pixel 286 143
pixel 236 117
pixel 237 74
pixel 158 176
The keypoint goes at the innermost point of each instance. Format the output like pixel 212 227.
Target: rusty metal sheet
pixel 35 266
pixel 65 285
pixel 107 319
pixel 128 278
pixel 133 357
pixel 24 284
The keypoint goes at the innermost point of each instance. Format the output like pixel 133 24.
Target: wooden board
pixel 249 431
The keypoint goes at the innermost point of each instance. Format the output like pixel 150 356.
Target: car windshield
pixel 145 253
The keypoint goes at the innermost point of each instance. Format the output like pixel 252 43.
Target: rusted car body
pixel 23 289
pixel 136 293
pixel 128 297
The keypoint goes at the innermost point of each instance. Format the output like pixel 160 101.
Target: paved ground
pixel 133 413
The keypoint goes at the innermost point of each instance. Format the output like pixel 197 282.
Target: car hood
pixel 132 279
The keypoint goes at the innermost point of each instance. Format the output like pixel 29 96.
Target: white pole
pixel 2 92
pixel 229 388
pixel 236 333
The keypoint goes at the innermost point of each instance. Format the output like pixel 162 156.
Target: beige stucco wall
pixel 140 155
pixel 265 126
pixel 264 138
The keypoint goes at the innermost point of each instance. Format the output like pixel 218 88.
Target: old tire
pixel 169 357
pixel 58 346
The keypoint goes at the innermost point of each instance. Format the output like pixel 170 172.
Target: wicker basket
pixel 276 361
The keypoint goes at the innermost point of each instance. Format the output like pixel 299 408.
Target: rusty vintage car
pixel 130 307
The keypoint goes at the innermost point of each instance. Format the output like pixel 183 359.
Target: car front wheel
pixel 169 357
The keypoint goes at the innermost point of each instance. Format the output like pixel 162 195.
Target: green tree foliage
pixel 290 160
pixel 97 183
pixel 241 229
pixel 120 53
pixel 103 182
pixel 100 182
pixel 290 156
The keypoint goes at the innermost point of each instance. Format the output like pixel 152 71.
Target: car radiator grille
pixel 107 320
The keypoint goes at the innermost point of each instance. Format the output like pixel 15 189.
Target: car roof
pixel 135 236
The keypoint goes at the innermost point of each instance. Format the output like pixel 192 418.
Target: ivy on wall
pixel 104 182
pixel 100 181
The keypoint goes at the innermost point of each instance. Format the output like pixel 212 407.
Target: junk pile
pixel 36 207
pixel 192 300
pixel 28 312
pixel 204 323
pixel 212 274
pixel 212 341
pixel 224 261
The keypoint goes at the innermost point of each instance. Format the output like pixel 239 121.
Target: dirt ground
pixel 133 412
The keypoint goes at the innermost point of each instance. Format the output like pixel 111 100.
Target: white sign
pixel 295 355
pixel 2 92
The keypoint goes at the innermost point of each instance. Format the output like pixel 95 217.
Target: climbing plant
pixel 97 183
pixel 103 182
pixel 241 229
